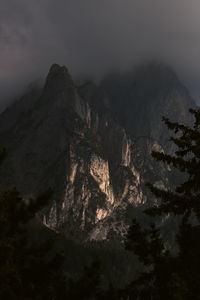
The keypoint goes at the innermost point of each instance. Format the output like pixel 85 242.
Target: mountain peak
pixel 55 68
pixel 157 73
pixel 58 78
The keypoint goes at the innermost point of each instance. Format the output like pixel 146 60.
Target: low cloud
pixel 93 37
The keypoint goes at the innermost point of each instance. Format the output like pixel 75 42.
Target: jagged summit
pixel 56 69
pixel 155 78
pixel 63 137
pixel 141 97
pixel 58 79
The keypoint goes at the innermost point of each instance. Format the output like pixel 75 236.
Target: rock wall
pixel 68 138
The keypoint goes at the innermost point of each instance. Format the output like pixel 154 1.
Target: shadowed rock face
pixel 68 138
pixel 140 98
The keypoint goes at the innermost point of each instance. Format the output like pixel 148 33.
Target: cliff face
pixel 140 98
pixel 68 138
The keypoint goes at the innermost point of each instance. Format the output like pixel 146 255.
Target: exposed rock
pixel 69 138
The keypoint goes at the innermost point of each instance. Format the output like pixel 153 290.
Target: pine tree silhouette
pixel 29 270
pixel 168 276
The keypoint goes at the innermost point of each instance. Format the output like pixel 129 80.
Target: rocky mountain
pixel 141 97
pixel 85 143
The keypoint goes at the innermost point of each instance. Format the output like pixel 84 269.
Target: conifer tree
pixel 168 276
pixel 25 270
pixel 34 271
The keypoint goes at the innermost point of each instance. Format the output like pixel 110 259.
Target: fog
pixel 93 37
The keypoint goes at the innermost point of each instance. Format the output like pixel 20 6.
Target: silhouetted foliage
pixel 88 285
pixel 25 271
pixel 168 276
pixel 33 270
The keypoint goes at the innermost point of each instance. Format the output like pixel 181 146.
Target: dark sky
pixel 95 36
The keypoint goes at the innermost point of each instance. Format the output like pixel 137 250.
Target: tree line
pixel 32 271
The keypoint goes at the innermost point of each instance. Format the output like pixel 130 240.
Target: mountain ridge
pixel 69 138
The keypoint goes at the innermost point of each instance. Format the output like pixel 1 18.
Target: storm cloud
pixel 96 36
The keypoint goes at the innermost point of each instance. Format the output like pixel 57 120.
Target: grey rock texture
pixel 82 144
